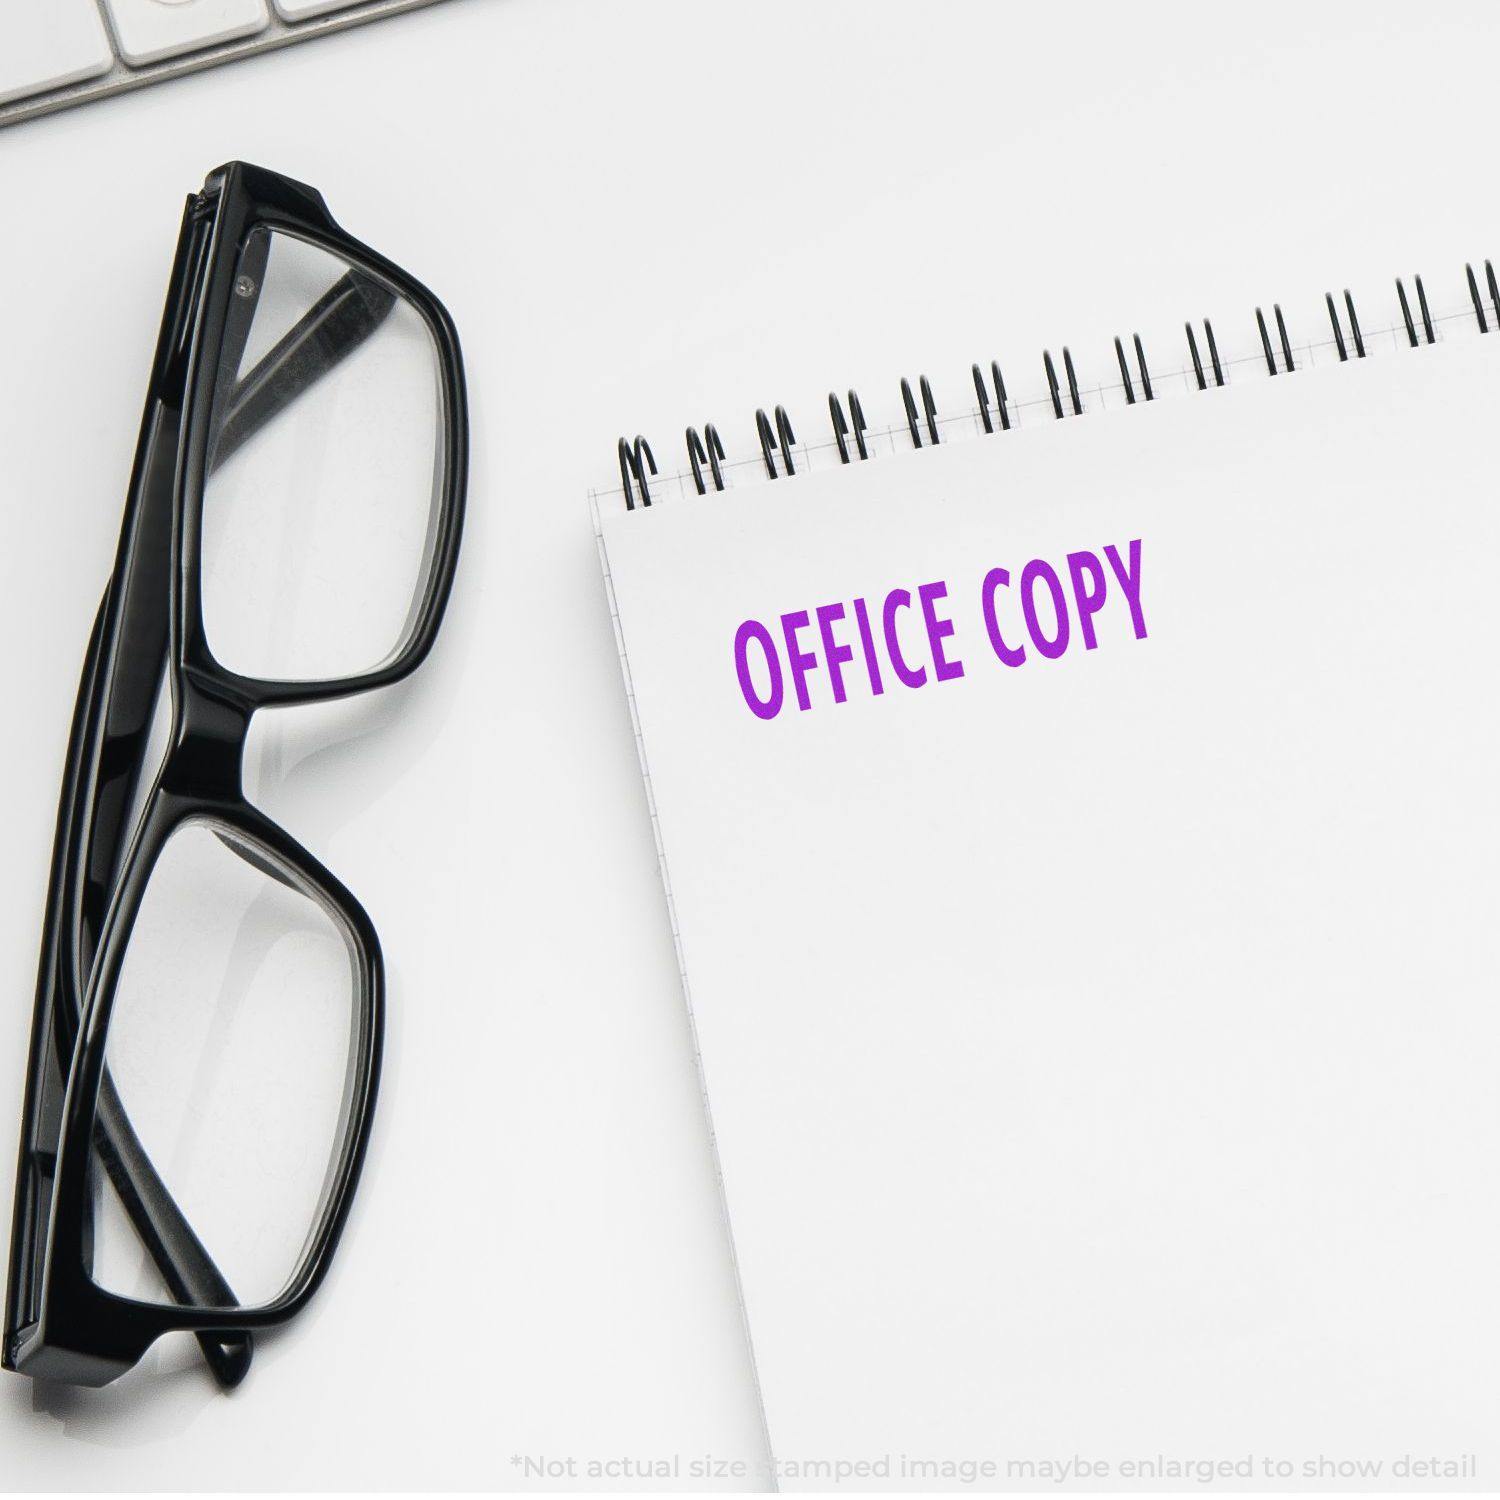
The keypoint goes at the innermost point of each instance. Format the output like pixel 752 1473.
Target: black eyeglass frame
pixel 60 1324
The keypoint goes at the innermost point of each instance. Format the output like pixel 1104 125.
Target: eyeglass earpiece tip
pixel 229 1358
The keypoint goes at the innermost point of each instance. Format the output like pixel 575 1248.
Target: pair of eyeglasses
pixel 206 1038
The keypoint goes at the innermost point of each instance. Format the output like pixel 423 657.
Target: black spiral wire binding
pixel 1052 385
pixel 842 428
pixel 783 438
pixel 1474 296
pixel 984 397
pixel 1494 290
pixel 713 456
pixel 1411 331
pixel 1338 330
pixel 1354 331
pixel 929 410
pixel 706 452
pixel 1140 360
pixel 1265 339
pixel 1213 355
pixel 632 467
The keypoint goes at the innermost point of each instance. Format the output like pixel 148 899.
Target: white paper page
pixel 1103 1051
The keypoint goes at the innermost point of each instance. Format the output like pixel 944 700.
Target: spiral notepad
pixel 1077 811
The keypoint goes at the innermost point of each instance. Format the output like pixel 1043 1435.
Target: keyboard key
pixel 150 30
pixel 47 43
pixel 300 10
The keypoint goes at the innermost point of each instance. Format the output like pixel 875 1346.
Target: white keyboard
pixel 54 53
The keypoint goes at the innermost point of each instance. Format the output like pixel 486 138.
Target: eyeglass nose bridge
pixel 206 760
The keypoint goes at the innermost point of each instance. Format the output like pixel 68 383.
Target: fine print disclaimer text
pixel 1249 1471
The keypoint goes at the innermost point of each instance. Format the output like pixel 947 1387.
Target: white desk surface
pixel 640 217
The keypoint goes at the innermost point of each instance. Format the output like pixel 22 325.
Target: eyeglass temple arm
pixel 185 1266
pixel 327 333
